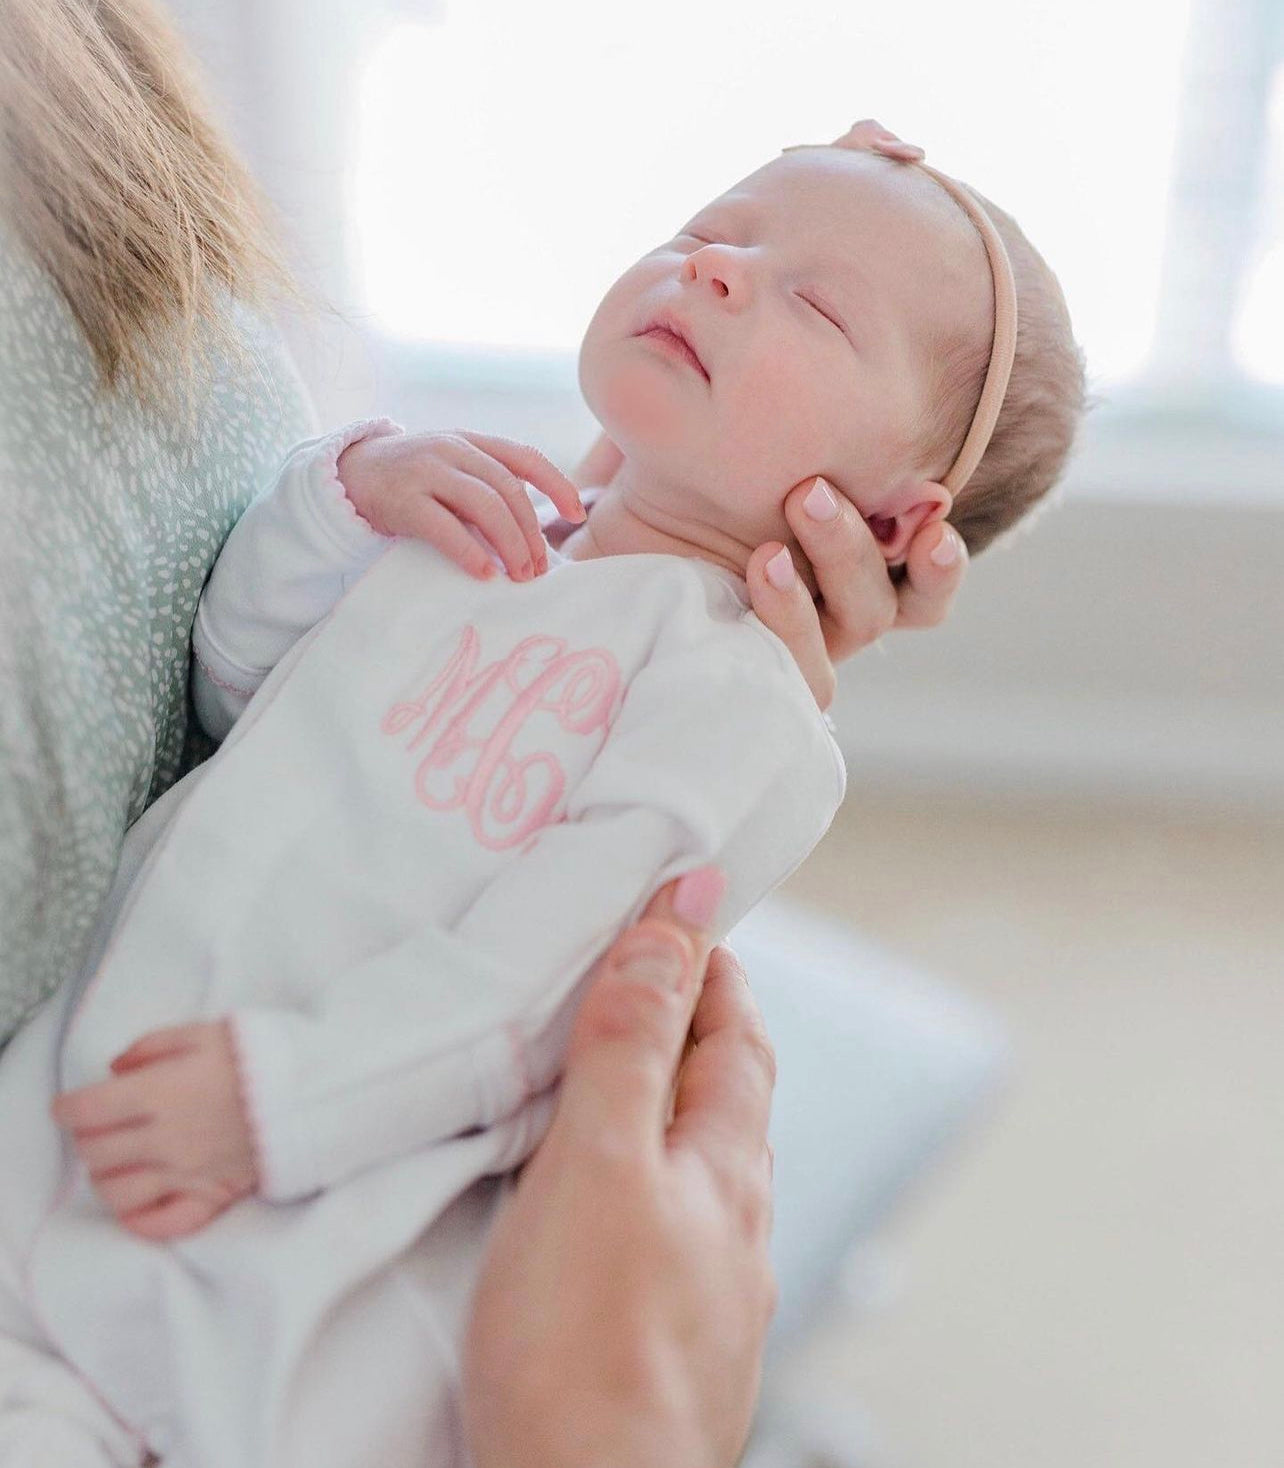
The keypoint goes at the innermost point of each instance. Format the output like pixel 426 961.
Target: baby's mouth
pixel 667 334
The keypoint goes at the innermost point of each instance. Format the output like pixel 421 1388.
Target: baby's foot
pixel 166 1139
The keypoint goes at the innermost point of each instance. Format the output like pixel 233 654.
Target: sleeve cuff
pixel 354 536
pixel 306 1137
pixel 264 1056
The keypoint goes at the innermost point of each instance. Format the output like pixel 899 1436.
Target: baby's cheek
pixel 781 439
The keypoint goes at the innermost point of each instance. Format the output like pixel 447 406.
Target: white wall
pixel 1122 650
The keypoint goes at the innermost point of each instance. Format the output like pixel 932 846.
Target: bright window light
pixel 513 157
pixel 1258 338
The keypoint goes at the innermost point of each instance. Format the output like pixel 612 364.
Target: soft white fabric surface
pixel 441 804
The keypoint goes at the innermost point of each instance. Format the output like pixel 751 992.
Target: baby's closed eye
pixel 816 306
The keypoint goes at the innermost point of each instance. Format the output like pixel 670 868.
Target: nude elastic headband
pixel 869 136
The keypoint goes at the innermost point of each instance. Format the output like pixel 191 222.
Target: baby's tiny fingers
pixel 540 471
pixel 512 491
pixel 480 505
pixel 438 526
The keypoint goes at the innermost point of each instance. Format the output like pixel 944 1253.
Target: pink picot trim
pixel 344 439
pixel 220 682
pixel 249 1106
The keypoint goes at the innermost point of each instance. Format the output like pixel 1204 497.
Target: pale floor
pixel 1096 1278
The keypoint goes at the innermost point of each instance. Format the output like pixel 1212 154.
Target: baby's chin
pixel 671 438
pixel 641 411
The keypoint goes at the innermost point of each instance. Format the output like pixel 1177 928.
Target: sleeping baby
pixel 326 1004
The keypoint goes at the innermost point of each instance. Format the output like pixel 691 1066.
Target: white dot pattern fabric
pixel 112 516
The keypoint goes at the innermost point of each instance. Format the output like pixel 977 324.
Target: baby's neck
pixel 631 518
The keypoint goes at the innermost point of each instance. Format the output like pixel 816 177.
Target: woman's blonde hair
pixel 117 181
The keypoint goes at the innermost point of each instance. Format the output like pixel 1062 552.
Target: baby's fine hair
pixel 1042 407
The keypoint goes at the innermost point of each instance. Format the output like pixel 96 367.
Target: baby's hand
pixel 432 486
pixel 166 1140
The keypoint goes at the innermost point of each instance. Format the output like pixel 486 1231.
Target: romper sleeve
pixel 287 561
pixel 726 762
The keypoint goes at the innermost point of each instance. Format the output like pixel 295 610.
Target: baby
pixel 352 942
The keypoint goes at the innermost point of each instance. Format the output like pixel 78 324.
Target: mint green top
pixel 112 516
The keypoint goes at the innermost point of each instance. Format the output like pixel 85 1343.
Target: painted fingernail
pixel 820 503
pixel 650 958
pixel 698 895
pixel 946 550
pixel 780 569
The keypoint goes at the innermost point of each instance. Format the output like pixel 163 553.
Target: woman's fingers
pixel 630 1029
pixel 858 600
pixel 531 465
pixel 724 1090
pixel 935 565
pixel 783 603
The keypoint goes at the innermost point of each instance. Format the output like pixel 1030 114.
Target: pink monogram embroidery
pixel 506 798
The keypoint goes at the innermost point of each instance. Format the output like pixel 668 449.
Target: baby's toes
pixel 110 1149
pixel 126 1189
pixel 173 1216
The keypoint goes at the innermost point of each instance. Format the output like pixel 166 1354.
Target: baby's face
pixel 813 295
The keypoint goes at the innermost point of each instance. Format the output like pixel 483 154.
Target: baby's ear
pixel 904 514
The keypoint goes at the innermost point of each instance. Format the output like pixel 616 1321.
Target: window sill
pixel 1229 455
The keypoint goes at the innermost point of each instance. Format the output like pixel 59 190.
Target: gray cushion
pixel 879 1066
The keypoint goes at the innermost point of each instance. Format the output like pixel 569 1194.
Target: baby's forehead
pixel 842 191
pixel 889 222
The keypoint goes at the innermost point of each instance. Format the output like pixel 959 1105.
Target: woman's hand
pixel 622 1309
pixel 434 486
pixel 858 600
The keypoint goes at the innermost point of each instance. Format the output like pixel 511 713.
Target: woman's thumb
pixel 631 1026
pixel 669 944
pixel 692 901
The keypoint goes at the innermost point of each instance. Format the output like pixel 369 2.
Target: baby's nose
pixel 717 267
